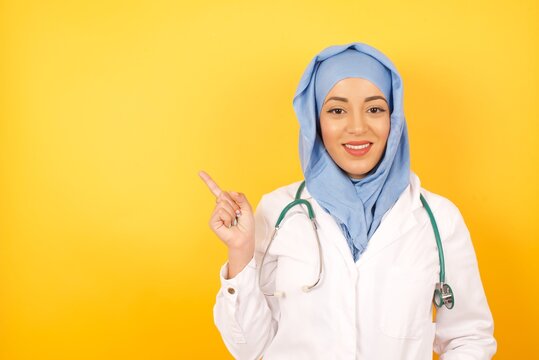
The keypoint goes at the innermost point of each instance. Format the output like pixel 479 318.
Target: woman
pixel 360 286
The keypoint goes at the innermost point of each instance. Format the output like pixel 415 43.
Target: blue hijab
pixel 357 205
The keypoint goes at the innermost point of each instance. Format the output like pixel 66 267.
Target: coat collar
pixel 397 221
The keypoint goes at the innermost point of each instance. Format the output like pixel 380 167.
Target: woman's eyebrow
pixel 369 98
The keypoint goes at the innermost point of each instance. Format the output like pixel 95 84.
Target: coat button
pixel 231 290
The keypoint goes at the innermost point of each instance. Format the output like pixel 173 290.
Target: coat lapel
pixel 396 222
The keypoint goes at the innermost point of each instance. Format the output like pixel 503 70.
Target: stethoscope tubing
pixel 443 294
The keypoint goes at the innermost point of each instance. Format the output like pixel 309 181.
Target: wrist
pixel 237 260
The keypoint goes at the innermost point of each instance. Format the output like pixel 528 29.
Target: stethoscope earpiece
pixel 310 213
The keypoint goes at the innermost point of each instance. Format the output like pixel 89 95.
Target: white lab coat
pixel 377 308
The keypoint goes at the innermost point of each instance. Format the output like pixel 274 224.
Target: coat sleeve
pixel 243 315
pixel 464 332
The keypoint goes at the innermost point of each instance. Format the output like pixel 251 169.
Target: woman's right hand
pixel 231 206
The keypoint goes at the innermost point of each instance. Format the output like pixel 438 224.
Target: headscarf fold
pixel 357 205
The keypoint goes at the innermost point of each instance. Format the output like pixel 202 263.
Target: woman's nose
pixel 357 124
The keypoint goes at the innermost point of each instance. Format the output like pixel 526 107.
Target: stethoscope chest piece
pixel 443 295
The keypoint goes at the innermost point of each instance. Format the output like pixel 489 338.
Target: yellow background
pixel 108 110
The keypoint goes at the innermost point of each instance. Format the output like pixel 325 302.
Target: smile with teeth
pixel 357 147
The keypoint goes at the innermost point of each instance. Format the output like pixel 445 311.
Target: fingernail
pixel 238 212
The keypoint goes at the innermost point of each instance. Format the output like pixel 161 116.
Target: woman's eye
pixel 377 108
pixel 339 111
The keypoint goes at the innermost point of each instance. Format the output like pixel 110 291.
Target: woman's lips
pixel 357 150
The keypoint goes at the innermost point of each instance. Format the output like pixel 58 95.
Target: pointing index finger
pixel 214 188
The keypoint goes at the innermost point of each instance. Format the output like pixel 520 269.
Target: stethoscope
pixel 443 294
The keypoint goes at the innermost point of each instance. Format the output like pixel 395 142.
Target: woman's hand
pixel 233 222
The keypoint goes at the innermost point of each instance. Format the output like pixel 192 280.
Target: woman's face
pixel 355 123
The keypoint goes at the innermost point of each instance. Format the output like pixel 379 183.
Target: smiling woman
pixel 354 122
pixel 369 251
